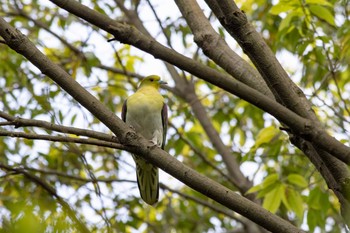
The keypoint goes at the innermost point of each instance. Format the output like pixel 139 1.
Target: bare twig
pixel 21 122
pixel 90 141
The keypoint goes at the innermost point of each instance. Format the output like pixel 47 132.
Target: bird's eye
pixel 151 79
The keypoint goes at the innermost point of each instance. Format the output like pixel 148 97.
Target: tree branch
pixel 242 182
pixel 62 139
pixel 21 122
pixel 77 178
pixel 217 49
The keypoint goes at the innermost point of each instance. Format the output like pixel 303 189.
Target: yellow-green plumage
pixel 146 112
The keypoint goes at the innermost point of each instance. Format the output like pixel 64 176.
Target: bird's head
pixel 152 80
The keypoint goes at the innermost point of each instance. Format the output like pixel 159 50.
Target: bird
pixel 147 113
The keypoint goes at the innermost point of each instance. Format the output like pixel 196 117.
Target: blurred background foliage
pixel 311 39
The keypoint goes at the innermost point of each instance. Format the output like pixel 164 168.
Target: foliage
pixel 98 182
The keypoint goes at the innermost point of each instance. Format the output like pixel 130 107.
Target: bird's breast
pixel 144 114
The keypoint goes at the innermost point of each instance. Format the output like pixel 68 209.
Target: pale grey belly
pixel 147 123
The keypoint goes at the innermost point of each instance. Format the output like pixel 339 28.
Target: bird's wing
pixel 164 123
pixel 124 111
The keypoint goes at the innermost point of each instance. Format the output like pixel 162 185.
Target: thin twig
pixel 77 178
pixel 89 141
pixel 21 122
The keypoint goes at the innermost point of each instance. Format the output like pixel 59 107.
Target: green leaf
pixel 324 199
pixel 280 8
pixel 264 136
pixel 275 148
pixel 297 180
pixel 295 202
pixel 286 22
pixel 263 192
pixel 313 199
pixel 323 13
pixel 314 219
pixel 285 201
pixel 73 119
pixel 319 2
pixel 273 199
pixel 269 180
pixel 242 137
pixel 255 189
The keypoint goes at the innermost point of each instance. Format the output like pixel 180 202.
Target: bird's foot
pixel 153 144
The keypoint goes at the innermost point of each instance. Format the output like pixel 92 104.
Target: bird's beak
pixel 162 82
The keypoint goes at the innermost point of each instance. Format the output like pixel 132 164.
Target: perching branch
pixel 77 178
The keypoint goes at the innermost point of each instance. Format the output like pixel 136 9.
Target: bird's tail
pixel 147 180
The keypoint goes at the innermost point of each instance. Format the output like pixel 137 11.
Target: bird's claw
pixel 153 144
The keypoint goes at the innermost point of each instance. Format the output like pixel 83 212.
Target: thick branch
pixel 217 49
pixel 252 43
